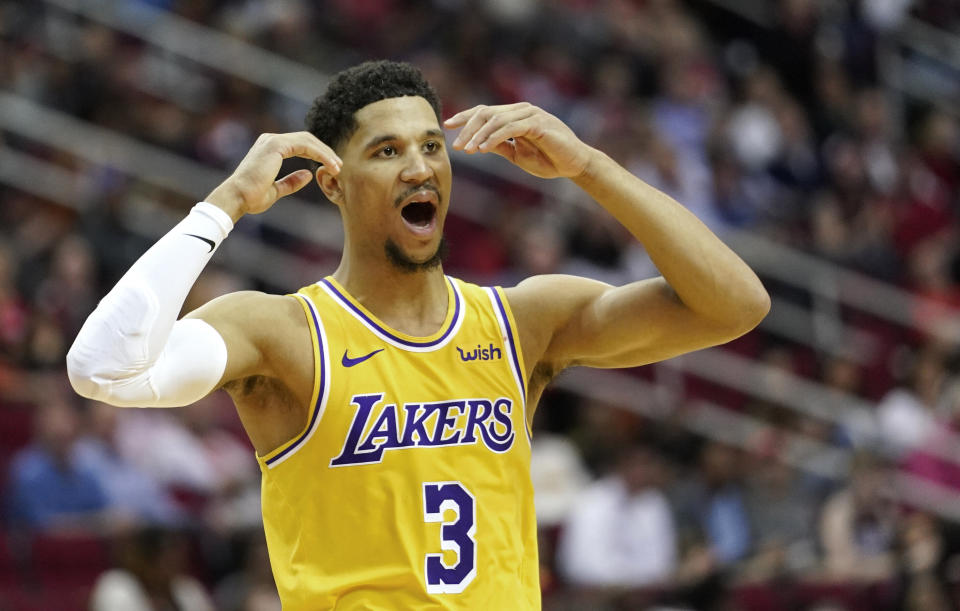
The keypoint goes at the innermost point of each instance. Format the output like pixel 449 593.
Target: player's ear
pixel 330 185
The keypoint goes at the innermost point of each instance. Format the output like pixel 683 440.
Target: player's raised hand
pixel 253 187
pixel 528 136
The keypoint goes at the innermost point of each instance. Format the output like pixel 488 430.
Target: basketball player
pixel 389 404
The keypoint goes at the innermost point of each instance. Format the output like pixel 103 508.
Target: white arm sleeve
pixel 132 351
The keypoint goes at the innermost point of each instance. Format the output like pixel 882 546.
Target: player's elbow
pixel 82 372
pixel 92 376
pixel 114 387
pixel 80 379
pixel 753 307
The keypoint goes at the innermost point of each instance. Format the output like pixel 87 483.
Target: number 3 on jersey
pixel 456 536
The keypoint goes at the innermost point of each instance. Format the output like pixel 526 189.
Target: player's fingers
pixel 506 149
pixel 305 144
pixel 460 118
pixel 291 183
pixel 494 124
pixel 476 120
pixel 479 115
pixel 463 116
pixel 515 129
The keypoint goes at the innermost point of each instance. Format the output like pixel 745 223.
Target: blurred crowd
pixel 787 129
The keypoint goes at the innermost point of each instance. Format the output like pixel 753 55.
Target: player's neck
pixel 414 303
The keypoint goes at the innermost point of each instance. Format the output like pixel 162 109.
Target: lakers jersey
pixel 409 486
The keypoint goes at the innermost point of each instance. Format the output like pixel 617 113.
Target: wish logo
pixel 480 354
pixel 456 422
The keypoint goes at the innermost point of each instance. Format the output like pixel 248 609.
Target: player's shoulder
pixel 253 310
pixel 545 293
pixel 255 301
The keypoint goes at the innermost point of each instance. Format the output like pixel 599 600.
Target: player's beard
pixel 405 264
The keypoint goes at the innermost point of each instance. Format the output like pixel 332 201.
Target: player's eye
pixel 431 146
pixel 387 151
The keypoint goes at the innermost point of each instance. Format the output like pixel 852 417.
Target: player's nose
pixel 417 169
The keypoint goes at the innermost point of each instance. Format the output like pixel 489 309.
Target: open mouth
pixel 419 214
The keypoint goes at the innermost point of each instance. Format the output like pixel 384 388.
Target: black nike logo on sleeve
pixel 206 241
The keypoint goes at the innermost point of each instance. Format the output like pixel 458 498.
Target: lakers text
pixel 417 425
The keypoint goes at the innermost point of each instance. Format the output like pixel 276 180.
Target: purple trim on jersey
pixel 316 407
pixel 453 321
pixel 513 346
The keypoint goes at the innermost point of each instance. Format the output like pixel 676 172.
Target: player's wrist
pixel 593 168
pixel 228 199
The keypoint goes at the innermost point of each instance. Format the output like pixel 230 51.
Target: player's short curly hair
pixel 331 118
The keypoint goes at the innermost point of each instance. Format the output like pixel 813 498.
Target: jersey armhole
pixel 508 327
pixel 321 387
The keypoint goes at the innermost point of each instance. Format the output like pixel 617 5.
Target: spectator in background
pixel 878 140
pixel 922 564
pixel 858 524
pixel 925 593
pixel 751 128
pixel 14 315
pixel 931 458
pixel 130 491
pixel 907 414
pixel 736 200
pixel 782 513
pixel 621 532
pixel 158 443
pixel 938 139
pixel 252 587
pixel 47 343
pixel 559 477
pixel 536 247
pixel 235 500
pixel 49 489
pixel 152 577
pixel 710 505
pixel 67 295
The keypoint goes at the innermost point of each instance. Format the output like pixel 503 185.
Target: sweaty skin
pixel 706 296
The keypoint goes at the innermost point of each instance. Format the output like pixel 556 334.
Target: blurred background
pixel 813 464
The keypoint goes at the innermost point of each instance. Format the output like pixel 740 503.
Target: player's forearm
pixel 706 275
pixel 131 351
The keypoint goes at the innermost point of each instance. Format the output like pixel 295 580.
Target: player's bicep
pixel 636 324
pixel 640 323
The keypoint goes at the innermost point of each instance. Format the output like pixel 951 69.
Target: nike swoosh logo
pixel 206 241
pixel 346 361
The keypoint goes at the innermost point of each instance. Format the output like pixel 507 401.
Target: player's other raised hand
pixel 528 136
pixel 253 187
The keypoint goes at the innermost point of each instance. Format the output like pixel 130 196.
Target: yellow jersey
pixel 409 487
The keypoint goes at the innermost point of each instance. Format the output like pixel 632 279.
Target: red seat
pixel 16 430
pixel 18 597
pixel 16 426
pixel 73 561
pixel 8 568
